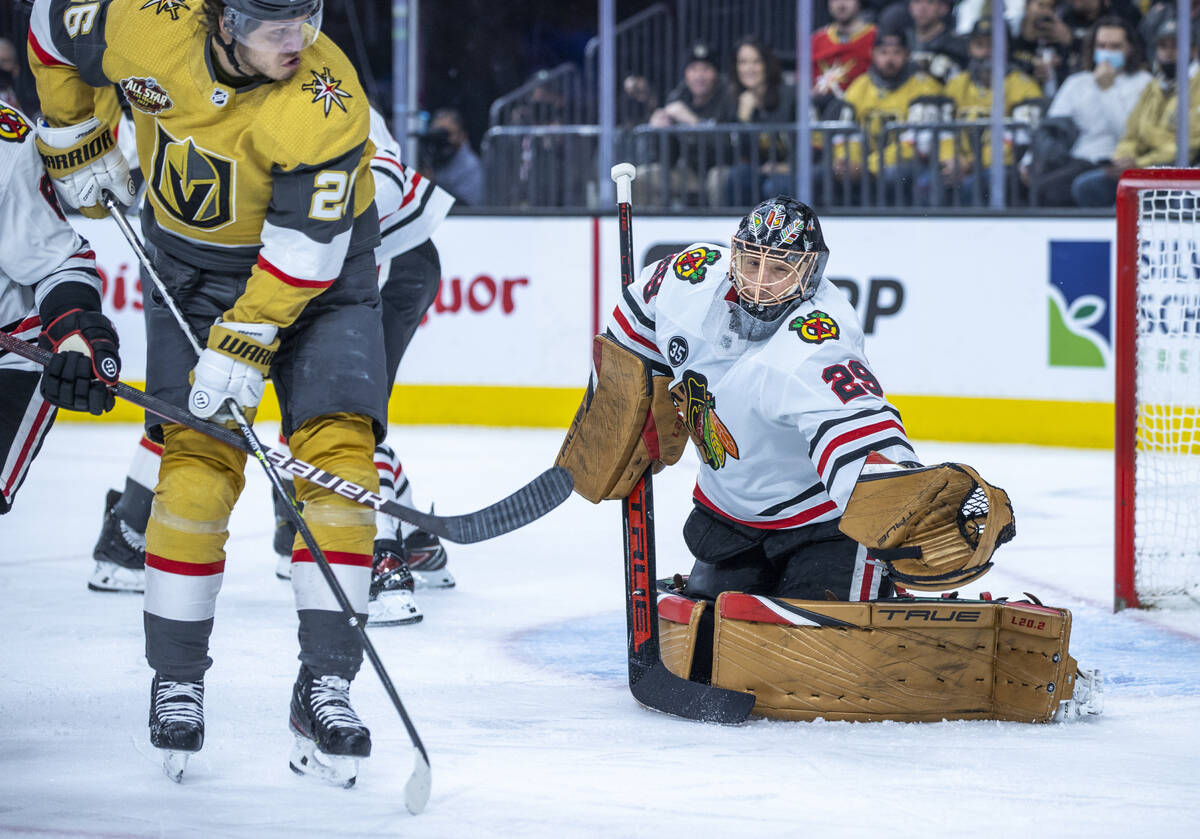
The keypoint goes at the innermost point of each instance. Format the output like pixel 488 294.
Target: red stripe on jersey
pixel 43 56
pixel 288 278
pixel 33 436
pixel 334 557
pixel 34 322
pixel 675 609
pixel 151 446
pixel 628 330
pixel 798 519
pixel 855 434
pixel 745 607
pixel 387 159
pixel 88 254
pixel 864 592
pixel 184 569
pixel 412 191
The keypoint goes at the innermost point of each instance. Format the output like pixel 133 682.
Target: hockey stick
pixel 530 502
pixel 416 791
pixel 650 682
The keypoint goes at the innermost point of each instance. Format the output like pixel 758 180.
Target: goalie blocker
pixel 907 659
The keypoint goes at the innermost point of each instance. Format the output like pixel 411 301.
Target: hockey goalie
pixel 814 520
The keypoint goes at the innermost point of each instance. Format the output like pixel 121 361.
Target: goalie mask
pixel 778 255
pixel 281 26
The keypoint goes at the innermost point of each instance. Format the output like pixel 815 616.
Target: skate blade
pixel 108 576
pixel 434 579
pixel 393 608
pixel 173 763
pixel 337 770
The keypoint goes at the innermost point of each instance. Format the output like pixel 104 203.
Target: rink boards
pixel 980 329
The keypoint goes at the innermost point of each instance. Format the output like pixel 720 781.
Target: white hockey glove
pixel 83 160
pixel 233 366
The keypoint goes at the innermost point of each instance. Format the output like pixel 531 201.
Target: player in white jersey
pixel 767 367
pixel 49 291
pixel 410 208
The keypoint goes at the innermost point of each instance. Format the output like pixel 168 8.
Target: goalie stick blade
pixel 658 689
pixel 530 502
pixel 416 791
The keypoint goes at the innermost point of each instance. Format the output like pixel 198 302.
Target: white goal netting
pixel 1167 460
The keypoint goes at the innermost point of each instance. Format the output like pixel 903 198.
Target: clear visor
pixel 282 36
pixel 766 276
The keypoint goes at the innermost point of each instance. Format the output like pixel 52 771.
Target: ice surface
pixel 516 681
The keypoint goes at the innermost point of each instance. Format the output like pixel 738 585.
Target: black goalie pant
pixel 25 419
pixel 804 563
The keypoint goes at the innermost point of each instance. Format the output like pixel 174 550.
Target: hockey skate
pixel 330 738
pixel 391 602
pixel 285 536
pixel 1087 699
pixel 427 560
pixel 176 722
pixel 120 553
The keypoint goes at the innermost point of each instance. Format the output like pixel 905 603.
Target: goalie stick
pixel 530 502
pixel 650 682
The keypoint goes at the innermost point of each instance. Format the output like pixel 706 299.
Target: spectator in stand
pixel 969 12
pixel 760 96
pixel 936 50
pixel 456 168
pixel 1098 101
pixel 883 95
pixel 841 51
pixel 1081 16
pixel 1158 13
pixel 1149 138
pixel 703 98
pixel 9 70
pixel 1041 46
pixel 972 95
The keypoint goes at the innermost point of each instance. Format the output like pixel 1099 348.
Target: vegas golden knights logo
pixel 193 184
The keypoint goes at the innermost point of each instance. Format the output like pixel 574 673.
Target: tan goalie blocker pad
pixel 678 625
pixel 904 660
pixel 936 527
pixel 626 424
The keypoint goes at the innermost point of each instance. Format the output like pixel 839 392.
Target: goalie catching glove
pixel 232 366
pixel 936 527
pixel 626 423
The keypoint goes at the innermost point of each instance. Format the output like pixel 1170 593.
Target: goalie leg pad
pixel 625 423
pixel 678 628
pixel 903 660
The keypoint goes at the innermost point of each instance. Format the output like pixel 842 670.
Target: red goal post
pixel 1157 397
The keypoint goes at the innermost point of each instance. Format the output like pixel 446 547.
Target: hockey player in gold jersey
pixel 252 135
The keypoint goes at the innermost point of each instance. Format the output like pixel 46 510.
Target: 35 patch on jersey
pixel 693 265
pixel 698 406
pixel 192 184
pixel 815 328
pixel 13 126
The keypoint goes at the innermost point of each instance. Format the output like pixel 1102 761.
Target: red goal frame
pixel 1125 325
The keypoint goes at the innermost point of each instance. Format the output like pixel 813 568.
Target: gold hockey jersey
pixel 874 107
pixel 974 103
pixel 271 177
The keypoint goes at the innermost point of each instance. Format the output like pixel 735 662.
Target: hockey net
pixel 1158 389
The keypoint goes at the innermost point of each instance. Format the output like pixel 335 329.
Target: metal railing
pixel 645 48
pixel 721 25
pixel 550 97
pixel 538 167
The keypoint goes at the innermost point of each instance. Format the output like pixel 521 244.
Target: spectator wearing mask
pixel 1149 138
pixel 936 50
pixel 702 98
pixel 456 168
pixel 1098 101
pixel 841 51
pixel 883 95
pixel 972 95
pixel 1081 17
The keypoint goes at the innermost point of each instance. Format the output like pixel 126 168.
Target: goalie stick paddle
pixel 530 502
pixel 650 682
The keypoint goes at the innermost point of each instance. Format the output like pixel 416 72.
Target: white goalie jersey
pixel 39 250
pixel 783 418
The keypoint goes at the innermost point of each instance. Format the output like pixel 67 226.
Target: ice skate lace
pixel 331 703
pixel 132 538
pixel 180 702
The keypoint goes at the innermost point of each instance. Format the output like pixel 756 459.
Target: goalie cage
pixel 1157 398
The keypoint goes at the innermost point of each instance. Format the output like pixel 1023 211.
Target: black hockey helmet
pixel 778 254
pixel 259 23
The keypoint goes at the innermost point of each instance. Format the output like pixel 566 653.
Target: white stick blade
pixel 416 791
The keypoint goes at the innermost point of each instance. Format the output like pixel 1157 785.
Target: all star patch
pixel 326 90
pixel 146 94
pixel 815 328
pixel 13 126
pixel 677 350
pixel 693 265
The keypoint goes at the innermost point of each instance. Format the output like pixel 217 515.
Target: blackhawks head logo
pixel 815 328
pixel 697 405
pixel 693 265
pixel 12 126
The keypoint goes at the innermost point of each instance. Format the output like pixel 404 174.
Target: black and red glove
pixel 85 361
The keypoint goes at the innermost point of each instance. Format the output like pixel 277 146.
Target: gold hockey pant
pixel 198 483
